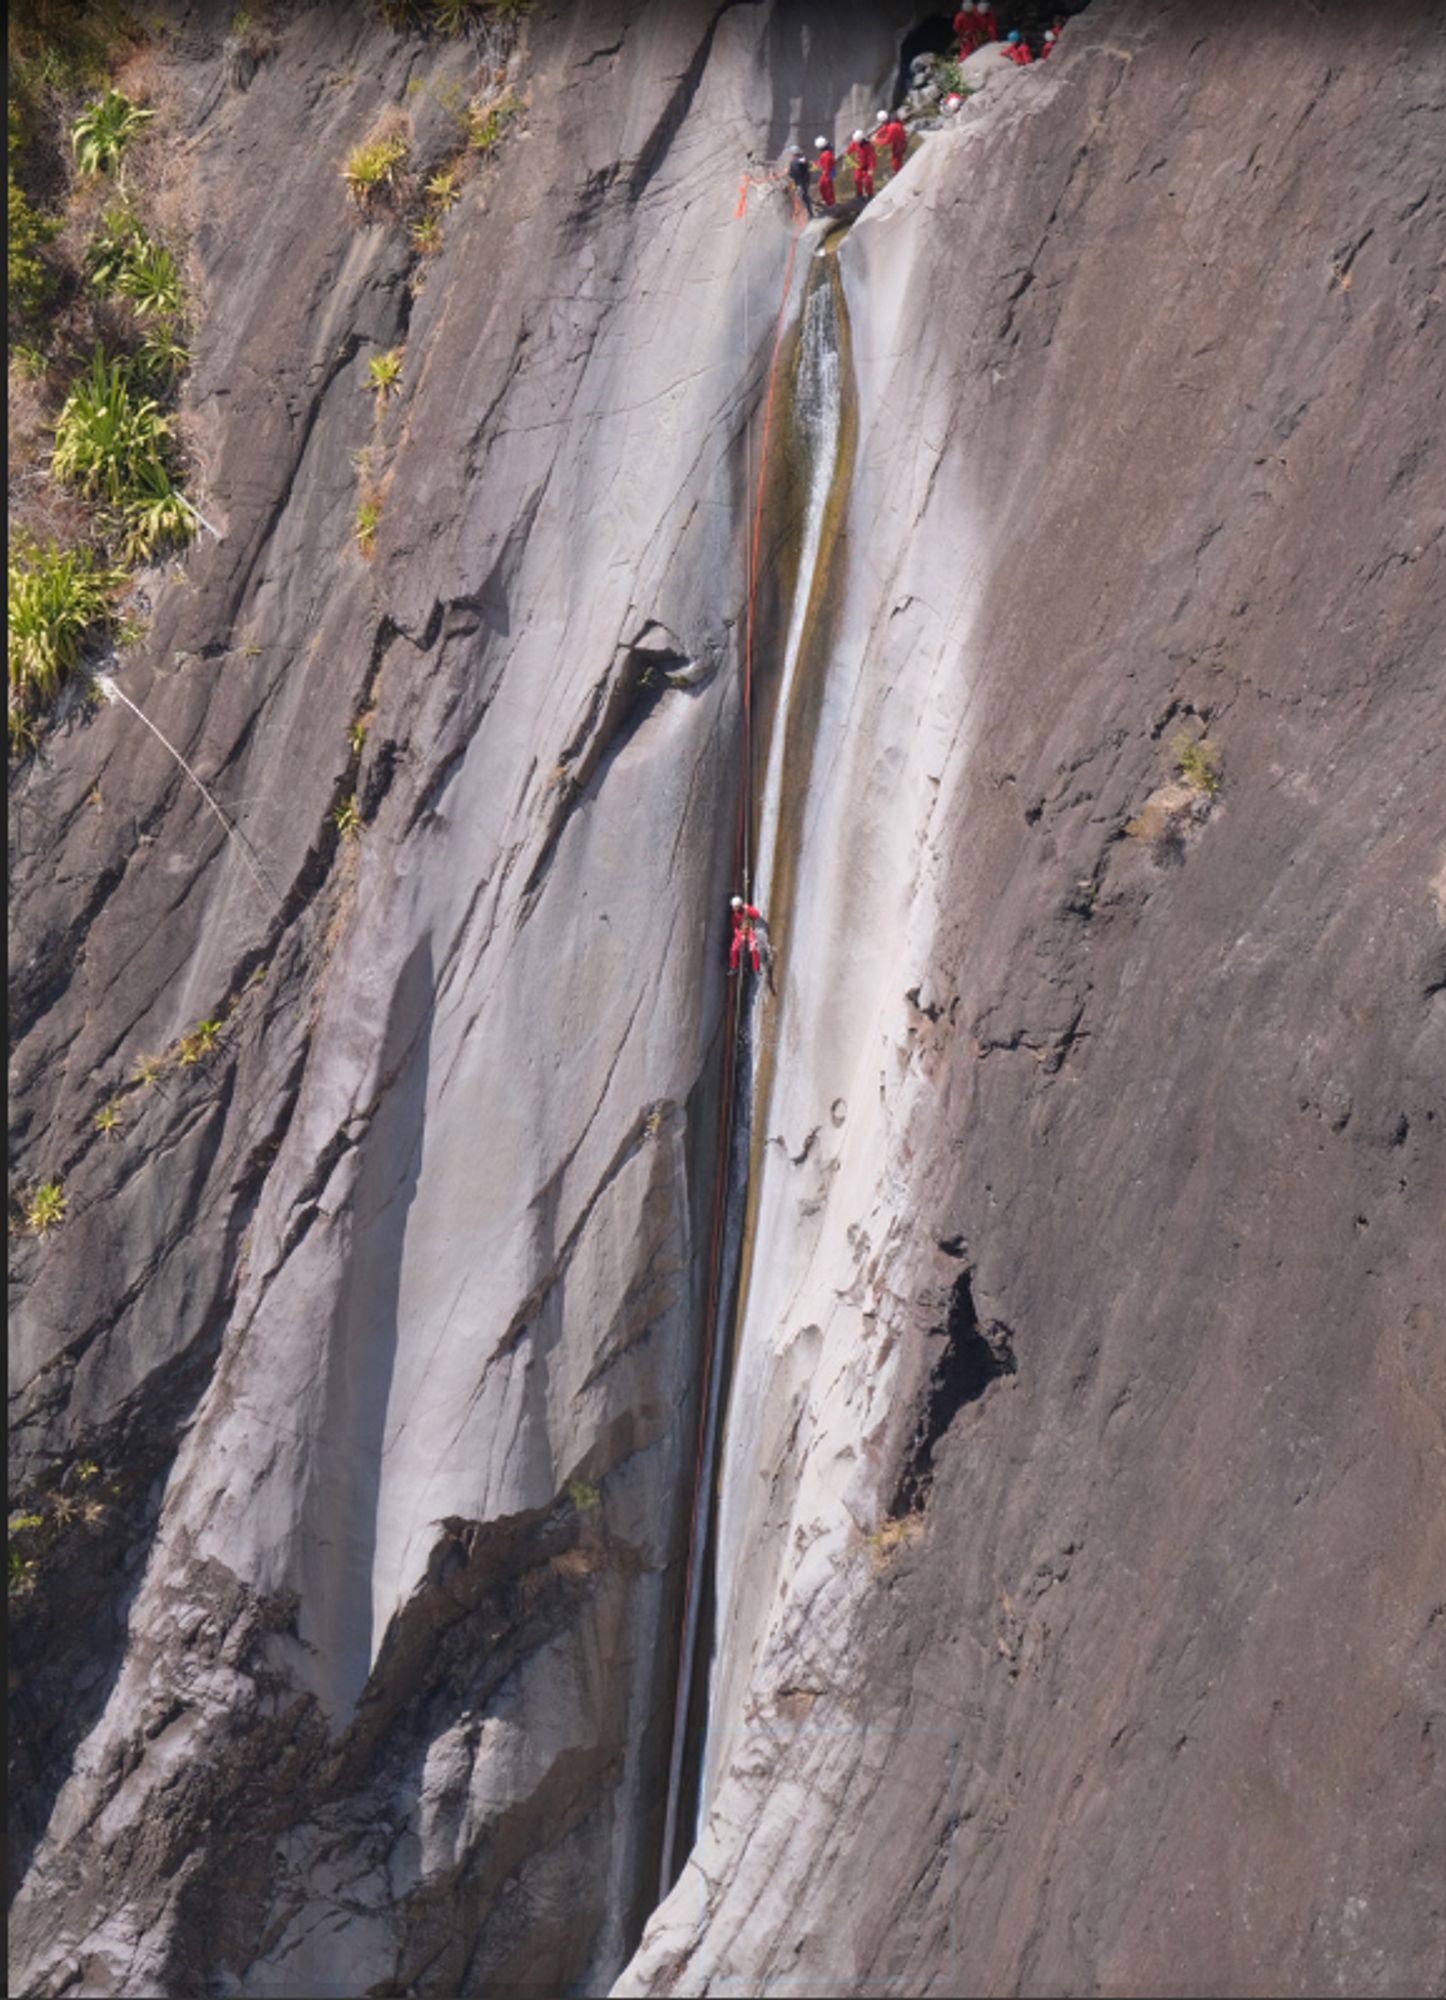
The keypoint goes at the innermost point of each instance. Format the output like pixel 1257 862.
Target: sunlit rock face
pixel 1079 1532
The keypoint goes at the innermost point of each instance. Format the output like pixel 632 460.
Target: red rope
pixel 701 1497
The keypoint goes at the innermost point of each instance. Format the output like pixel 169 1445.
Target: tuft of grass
pixel 147 1069
pixel 193 1048
pixel 384 373
pixel 443 189
pixel 374 170
pixel 426 235
pixel 583 1495
pixel 895 1533
pixel 346 817
pixel 356 736
pixel 103 131
pixel 45 1208
pixel 150 280
pixel 368 518
pixel 1198 762
pixel 487 124
pixel 107 436
pixel 56 600
pixel 107 1119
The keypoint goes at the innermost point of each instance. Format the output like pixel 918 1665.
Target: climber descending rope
pixel 741 905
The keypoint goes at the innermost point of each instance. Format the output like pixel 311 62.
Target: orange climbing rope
pixel 707 1409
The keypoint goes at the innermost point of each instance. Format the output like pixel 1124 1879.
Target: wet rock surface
pixel 1089 1631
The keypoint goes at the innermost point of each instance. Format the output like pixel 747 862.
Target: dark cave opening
pixel 934 35
pixel 973 1357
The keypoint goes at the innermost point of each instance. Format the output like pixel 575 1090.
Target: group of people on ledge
pixel 976 26
pixel 862 153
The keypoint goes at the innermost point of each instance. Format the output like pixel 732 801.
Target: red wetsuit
pixel 865 159
pixel 826 165
pixel 892 134
pixel 744 937
pixel 1017 52
pixel 988 21
pixel 970 30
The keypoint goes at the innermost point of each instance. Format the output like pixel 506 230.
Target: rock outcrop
pixel 1080 1530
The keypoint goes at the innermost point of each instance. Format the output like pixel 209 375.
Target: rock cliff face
pixel 1078 1602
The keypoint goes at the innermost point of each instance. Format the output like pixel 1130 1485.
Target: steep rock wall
pixel 1087 1631
pixel 374 1672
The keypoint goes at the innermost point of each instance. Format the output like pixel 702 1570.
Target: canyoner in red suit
pixel 860 150
pixel 989 22
pixel 892 134
pixel 825 164
pixel 970 30
pixel 745 938
pixel 1016 50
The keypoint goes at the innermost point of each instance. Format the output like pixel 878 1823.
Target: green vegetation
pixel 384 373
pixel 368 516
pixel 107 1119
pixel 356 736
pixel 44 1208
pixel 107 436
pixel 1197 761
pixel 56 599
pixel 113 444
pixel 103 131
pixel 442 188
pixel 29 282
pixel 192 1048
pixel 427 235
pixel 450 17
pixel 487 124
pixel 147 1069
pixel 346 817
pixel 374 170
pixel 150 280
pixel 583 1495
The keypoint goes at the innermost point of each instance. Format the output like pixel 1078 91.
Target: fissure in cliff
pixel 808 494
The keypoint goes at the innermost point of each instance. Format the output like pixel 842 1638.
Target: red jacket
pixel 744 920
pixel 862 153
pixel 989 23
pixel 1017 52
pixel 892 134
pixel 826 164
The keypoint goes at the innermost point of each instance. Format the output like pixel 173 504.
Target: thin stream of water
pixel 817 410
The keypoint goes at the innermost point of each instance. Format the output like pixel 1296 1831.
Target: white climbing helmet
pixel 858 135
pixel 1050 35
pixel 882 116
pixel 736 902
pixel 820 141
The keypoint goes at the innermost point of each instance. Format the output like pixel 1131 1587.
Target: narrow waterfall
pixel 817 418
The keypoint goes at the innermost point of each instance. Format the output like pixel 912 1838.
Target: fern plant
pixel 103 131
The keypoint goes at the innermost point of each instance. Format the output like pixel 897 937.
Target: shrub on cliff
pixel 57 599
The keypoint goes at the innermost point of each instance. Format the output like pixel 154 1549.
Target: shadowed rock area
pixel 1079 1615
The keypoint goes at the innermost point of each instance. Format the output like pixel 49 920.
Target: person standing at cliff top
pixel 798 174
pixel 825 164
pixel 892 134
pixel 1049 44
pixel 860 150
pixel 969 28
